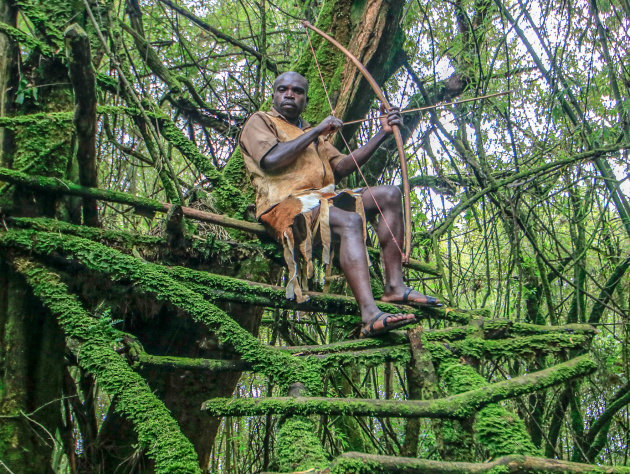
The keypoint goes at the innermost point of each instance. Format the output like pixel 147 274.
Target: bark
pixel 81 72
pixel 378 45
pixel 32 354
pixel 31 346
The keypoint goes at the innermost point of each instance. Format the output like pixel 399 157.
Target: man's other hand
pixel 329 125
pixel 393 118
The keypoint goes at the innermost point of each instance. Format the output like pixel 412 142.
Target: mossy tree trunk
pixel 8 78
pixel 32 347
pixel 31 356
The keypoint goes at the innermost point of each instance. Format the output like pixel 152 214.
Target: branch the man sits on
pixel 294 170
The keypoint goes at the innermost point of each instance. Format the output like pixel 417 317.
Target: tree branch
pixel 219 34
pixel 455 406
pixel 347 462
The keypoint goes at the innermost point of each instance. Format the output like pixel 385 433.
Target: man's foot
pixel 411 297
pixel 384 322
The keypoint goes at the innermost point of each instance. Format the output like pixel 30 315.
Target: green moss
pixel 499 470
pixel 68 187
pixel 159 282
pixel 236 187
pixel 368 358
pixel 58 118
pixel 524 346
pixel 500 433
pixel 53 225
pixel 447 334
pixel 49 17
pixel 459 377
pixel 454 439
pixel 355 466
pixel 496 430
pixel 351 345
pixel 158 433
pixel 526 328
pixel 10 451
pixel 23 39
pixel 297 446
pixel 44 148
pixel 331 61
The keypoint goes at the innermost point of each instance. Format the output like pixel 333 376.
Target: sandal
pixel 430 300
pixel 382 316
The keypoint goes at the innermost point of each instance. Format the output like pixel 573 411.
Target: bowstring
pixel 391 232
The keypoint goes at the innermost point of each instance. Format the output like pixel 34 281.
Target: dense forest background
pixel 143 324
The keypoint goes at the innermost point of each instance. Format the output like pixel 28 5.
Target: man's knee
pixel 389 196
pixel 348 222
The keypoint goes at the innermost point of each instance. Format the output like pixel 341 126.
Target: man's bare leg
pixel 348 228
pixel 389 200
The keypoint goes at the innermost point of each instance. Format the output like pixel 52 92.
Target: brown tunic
pixel 294 200
pixel 312 169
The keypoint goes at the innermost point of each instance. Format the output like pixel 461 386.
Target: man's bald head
pixel 290 97
pixel 290 75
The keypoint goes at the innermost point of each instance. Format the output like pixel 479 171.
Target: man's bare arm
pixel 362 155
pixel 284 154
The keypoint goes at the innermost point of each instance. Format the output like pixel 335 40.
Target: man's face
pixel 289 95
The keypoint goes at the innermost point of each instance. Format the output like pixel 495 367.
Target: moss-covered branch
pixel 363 352
pixel 523 346
pixel 500 328
pixel 456 406
pixel 158 282
pixel 361 463
pixel 496 429
pixel 60 186
pixel 224 288
pixel 297 446
pixel 158 433
pixel 364 358
pixel 24 39
pixel 150 247
pixel 192 363
pixel 494 331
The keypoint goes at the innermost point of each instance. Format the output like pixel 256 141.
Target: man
pixel 293 168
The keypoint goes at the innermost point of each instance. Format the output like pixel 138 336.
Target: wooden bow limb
pixel 397 135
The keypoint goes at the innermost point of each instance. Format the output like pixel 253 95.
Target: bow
pixel 397 135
